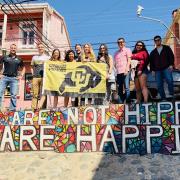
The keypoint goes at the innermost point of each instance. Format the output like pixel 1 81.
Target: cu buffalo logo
pixel 84 78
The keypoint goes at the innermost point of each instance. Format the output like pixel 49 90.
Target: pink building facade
pixel 170 40
pixel 48 25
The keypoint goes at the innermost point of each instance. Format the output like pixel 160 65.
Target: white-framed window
pixel 27 34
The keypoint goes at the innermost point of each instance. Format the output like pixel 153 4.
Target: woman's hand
pixel 139 73
pixel 1 76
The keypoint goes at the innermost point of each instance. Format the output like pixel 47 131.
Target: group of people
pixel 123 66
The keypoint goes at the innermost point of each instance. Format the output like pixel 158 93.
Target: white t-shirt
pixel 159 49
pixel 38 64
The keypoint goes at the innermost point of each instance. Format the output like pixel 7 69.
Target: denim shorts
pixel 145 71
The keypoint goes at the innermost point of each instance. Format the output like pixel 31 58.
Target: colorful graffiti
pixel 132 129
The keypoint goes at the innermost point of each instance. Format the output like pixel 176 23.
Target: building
pixel 173 42
pixel 25 27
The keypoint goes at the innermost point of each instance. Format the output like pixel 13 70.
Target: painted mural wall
pixel 131 129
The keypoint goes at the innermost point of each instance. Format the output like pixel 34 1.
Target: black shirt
pixel 11 65
pixel 78 58
pixel 159 62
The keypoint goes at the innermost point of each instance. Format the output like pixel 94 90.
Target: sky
pixel 104 21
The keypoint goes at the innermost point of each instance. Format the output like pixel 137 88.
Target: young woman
pixel 104 57
pixel 56 57
pixel 87 56
pixel 141 55
pixel 70 57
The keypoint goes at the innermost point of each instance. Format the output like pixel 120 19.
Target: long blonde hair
pixel 91 55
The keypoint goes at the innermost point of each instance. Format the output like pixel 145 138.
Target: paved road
pixel 86 166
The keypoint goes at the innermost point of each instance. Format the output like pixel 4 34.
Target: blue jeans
pixel 13 83
pixel 123 82
pixel 160 76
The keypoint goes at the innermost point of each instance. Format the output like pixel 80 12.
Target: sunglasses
pixel 139 45
pixel 120 42
pixel 157 40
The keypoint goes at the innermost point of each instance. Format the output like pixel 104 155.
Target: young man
pixel 122 60
pixel 78 57
pixel 37 64
pixel 10 76
pixel 78 50
pixel 162 62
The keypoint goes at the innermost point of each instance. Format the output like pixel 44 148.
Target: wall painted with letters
pixel 131 129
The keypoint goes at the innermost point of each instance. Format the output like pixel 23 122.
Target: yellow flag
pixel 75 78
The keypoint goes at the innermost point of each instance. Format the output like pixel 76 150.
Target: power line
pixel 113 34
pixel 94 44
pixel 116 15
pixel 80 13
pixel 113 18
pixel 110 43
pixel 107 22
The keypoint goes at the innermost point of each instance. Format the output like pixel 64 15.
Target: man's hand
pixel 108 75
pixel 170 68
pixel 19 77
pixel 126 71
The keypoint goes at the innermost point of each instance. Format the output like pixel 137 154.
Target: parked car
pixel 153 90
pixel 152 86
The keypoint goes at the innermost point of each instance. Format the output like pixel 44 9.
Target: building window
pixel 31 37
pixel 28 34
pixel 0 35
pixel 25 36
pixel 0 38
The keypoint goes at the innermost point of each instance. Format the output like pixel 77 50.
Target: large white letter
pixel 94 114
pixel 160 111
pixel 177 139
pixel 85 138
pixel 103 114
pixel 146 106
pixel 149 135
pixel 106 139
pixel 7 138
pixel 28 117
pixel 177 111
pixel 44 137
pixel 132 113
pixel 72 115
pixel 27 138
pixel 126 136
pixel 16 119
